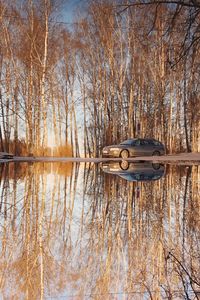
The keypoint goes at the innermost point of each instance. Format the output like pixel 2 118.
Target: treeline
pixel 36 102
pixel 123 71
pixel 140 74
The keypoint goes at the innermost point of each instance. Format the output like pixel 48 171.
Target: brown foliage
pixel 20 148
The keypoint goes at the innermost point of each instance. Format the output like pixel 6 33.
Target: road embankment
pixel 182 158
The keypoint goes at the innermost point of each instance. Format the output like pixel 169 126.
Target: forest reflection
pixel 74 231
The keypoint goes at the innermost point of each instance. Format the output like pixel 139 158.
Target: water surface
pixel 87 231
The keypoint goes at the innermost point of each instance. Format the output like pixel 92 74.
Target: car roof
pixel 136 139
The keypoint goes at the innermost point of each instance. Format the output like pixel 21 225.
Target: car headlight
pixel 105 151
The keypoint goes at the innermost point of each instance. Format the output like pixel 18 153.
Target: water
pixel 86 231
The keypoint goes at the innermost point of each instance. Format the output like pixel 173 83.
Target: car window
pixel 128 142
pixel 156 143
pixel 137 143
pixel 144 142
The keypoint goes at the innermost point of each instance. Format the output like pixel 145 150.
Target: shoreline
pixel 182 158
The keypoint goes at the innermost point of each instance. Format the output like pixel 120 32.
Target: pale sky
pixel 70 7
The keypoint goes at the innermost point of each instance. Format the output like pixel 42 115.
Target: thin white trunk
pixel 44 67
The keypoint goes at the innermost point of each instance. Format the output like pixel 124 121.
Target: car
pixel 134 147
pixel 135 171
pixel 6 155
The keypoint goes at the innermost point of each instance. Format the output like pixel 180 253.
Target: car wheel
pixel 156 166
pixel 124 165
pixel 156 153
pixel 124 154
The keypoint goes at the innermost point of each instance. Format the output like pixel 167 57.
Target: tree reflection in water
pixel 73 230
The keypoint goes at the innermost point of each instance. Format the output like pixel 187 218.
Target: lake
pixel 99 231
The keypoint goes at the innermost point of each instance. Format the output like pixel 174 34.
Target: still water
pixel 86 231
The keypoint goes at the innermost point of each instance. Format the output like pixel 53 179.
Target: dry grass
pixel 62 150
pixel 20 148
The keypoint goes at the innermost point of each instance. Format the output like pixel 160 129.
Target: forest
pixel 121 70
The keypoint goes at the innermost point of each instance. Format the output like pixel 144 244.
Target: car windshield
pixel 129 177
pixel 128 142
pixel 156 143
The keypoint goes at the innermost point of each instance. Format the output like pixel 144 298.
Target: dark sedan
pixel 134 147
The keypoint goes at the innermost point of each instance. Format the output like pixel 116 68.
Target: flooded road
pixel 99 231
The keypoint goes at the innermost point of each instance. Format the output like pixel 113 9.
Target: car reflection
pixel 136 171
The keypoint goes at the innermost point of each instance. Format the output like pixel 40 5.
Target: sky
pixel 70 7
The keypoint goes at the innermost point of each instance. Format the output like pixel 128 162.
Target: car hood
pixel 114 146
